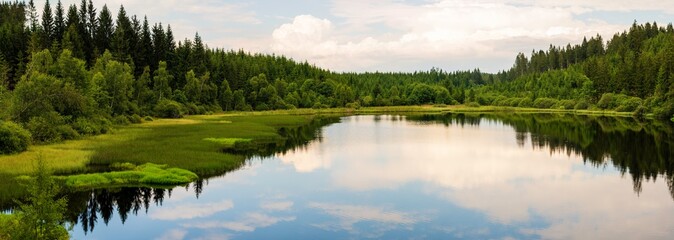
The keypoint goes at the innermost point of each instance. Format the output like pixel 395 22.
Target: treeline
pixel 632 72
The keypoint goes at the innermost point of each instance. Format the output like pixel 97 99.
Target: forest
pixel 71 71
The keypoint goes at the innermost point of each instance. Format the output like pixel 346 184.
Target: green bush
pixel 103 124
pixel 319 105
pixel 192 109
pixel 566 104
pixel 168 109
pixel 665 111
pixel 13 138
pixel 524 102
pixel 629 104
pixel 67 132
pixel 45 129
pixel 121 120
pixel 148 119
pixel 472 104
pixel 135 119
pixel 85 127
pixel 354 105
pixel 609 101
pixel 261 107
pixel 544 103
pixel 581 105
pixel 619 102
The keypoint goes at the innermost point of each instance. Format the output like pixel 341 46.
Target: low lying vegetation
pixel 146 174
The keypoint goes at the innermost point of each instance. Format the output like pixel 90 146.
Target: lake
pixel 503 176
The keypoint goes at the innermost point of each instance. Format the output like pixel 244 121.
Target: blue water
pixel 391 178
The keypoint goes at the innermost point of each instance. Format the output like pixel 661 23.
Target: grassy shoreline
pixel 435 109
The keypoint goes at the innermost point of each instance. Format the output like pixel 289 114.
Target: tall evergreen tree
pixel 146 49
pixel 47 25
pixel 92 28
pixel 104 31
pixel 72 38
pixel 59 22
pixel 32 16
pixel 121 44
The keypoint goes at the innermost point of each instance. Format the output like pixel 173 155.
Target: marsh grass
pixel 227 142
pixel 146 174
pixel 173 142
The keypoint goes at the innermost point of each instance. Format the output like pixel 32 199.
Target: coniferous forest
pixel 69 71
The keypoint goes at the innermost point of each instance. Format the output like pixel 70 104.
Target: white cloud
pixel 248 223
pixel 277 206
pixel 307 159
pixel 582 206
pixel 190 211
pixel 350 215
pixel 433 32
pixel 174 234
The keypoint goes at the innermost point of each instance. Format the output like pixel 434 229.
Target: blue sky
pixel 395 35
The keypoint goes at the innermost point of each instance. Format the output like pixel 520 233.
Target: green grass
pixel 195 147
pixel 146 174
pixel 227 142
pixel 173 142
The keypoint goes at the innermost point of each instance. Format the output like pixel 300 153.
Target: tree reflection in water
pixel 86 207
pixel 644 149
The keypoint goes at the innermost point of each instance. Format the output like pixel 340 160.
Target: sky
pixel 394 35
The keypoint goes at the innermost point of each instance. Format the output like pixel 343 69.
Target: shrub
pixel 472 104
pixel 121 120
pixel 261 107
pixel 148 118
pixel 319 105
pixel 13 138
pixel 498 101
pixel 44 129
pixel 566 104
pixel 84 127
pixel 103 124
pixel 192 109
pixel 629 104
pixel 354 105
pixel 607 101
pixel 135 119
pixel 581 105
pixel 67 132
pixel 544 103
pixel 524 102
pixel 168 109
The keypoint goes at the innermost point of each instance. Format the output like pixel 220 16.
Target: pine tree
pixel 121 44
pixel 59 23
pixel 47 25
pixel 104 31
pixel 32 16
pixel 146 49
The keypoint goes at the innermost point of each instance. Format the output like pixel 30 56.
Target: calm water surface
pixel 420 177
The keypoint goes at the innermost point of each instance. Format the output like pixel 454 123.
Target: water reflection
pixel 422 176
pixel 642 150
